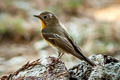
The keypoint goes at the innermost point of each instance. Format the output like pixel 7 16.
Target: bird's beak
pixel 36 16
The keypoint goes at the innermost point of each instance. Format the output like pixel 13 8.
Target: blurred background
pixel 94 25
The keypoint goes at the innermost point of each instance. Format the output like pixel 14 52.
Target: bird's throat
pixel 42 24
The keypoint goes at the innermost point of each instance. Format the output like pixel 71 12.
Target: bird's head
pixel 47 19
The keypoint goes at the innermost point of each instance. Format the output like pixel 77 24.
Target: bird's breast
pixel 42 24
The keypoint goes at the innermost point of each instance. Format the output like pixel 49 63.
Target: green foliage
pixel 10 24
pixel 17 24
pixel 4 23
pixel 73 3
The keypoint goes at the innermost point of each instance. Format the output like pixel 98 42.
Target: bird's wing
pixel 74 44
pixel 59 41
pixel 66 44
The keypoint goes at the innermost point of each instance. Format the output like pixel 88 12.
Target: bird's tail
pixel 78 53
pixel 82 57
pixel 87 60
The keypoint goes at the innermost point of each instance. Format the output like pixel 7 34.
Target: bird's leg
pixel 60 55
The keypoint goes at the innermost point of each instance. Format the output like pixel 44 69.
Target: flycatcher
pixel 54 33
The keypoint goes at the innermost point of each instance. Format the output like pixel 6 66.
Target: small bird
pixel 54 33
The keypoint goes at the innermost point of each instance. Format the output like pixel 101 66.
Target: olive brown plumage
pixel 54 33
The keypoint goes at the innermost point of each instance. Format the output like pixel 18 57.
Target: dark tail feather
pixel 88 61
pixel 79 54
pixel 82 57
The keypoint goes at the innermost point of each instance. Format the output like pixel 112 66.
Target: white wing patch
pixel 56 36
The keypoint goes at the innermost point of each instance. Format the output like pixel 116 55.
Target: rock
pixel 41 69
pixel 108 68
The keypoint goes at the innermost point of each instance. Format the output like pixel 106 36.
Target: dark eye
pixel 45 17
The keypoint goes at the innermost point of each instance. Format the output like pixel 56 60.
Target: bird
pixel 57 36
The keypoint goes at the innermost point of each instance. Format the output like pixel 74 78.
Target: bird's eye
pixel 45 17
